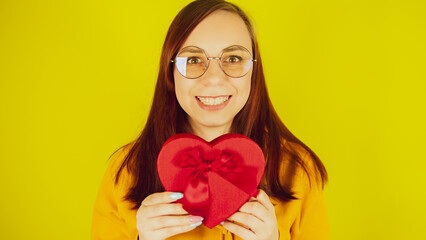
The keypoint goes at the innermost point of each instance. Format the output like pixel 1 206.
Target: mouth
pixel 213 103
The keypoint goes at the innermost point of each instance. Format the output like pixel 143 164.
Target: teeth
pixel 213 101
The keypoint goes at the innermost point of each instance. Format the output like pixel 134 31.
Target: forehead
pixel 219 30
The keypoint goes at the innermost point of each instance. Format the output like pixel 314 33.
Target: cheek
pixel 182 89
pixel 245 87
pixel 178 87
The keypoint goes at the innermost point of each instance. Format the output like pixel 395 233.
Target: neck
pixel 209 133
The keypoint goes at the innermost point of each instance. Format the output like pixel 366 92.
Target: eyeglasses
pixel 192 62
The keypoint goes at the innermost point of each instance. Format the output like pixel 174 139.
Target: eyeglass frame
pixel 219 58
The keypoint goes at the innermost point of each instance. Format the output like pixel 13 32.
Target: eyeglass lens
pixel 192 62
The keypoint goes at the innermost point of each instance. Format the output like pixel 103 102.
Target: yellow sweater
pixel 305 218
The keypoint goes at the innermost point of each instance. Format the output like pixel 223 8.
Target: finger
pixel 164 209
pixel 263 198
pixel 162 197
pixel 256 209
pixel 173 221
pixel 240 231
pixel 248 220
pixel 171 231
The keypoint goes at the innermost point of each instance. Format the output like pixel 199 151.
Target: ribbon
pixel 200 164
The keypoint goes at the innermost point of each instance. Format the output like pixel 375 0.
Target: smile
pixel 213 101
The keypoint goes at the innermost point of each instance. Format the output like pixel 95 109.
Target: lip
pixel 213 107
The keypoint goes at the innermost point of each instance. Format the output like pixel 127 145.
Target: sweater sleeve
pixel 107 221
pixel 312 222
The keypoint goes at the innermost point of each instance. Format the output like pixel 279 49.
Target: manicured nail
pixel 195 219
pixel 222 222
pixel 176 195
pixel 196 224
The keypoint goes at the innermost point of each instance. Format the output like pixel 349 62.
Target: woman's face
pixel 204 98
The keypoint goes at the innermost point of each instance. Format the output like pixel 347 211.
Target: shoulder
pixel 112 215
pixel 117 165
pixel 308 214
pixel 306 176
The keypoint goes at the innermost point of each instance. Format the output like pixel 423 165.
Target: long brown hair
pixel 257 120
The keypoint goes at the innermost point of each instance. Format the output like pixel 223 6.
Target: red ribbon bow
pixel 200 164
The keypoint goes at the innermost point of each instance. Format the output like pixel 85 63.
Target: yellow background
pixel 347 78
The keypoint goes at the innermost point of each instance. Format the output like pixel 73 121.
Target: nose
pixel 214 74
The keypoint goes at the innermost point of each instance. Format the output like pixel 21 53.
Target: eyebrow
pixel 192 50
pixel 232 48
pixel 200 50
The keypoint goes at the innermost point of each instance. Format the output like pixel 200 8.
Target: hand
pixel 257 219
pixel 159 217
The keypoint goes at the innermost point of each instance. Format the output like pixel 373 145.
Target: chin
pixel 213 122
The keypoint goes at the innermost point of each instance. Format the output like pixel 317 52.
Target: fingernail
pixel 195 219
pixel 196 224
pixel 222 222
pixel 176 195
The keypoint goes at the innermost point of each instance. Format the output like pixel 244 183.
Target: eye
pixel 233 59
pixel 194 60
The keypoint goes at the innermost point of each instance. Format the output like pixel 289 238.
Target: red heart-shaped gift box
pixel 216 177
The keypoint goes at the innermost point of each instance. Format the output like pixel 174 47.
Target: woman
pixel 210 83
